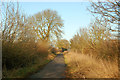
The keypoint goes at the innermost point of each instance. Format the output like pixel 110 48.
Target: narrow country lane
pixel 54 69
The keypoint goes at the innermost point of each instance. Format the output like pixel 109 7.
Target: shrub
pixel 21 54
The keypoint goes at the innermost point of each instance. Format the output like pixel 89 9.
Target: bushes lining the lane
pixel 20 55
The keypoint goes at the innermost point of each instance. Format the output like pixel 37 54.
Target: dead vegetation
pixel 94 53
pixel 85 66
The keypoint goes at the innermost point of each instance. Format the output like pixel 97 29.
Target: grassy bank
pixel 28 70
pixel 22 59
pixel 86 66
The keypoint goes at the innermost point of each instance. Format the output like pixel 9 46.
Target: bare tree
pixel 11 22
pixel 47 24
pixel 109 10
pixel 99 31
pixel 14 24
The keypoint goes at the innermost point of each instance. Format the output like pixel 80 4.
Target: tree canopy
pixel 47 25
pixel 109 11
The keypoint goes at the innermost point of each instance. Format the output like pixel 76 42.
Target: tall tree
pixel 47 24
pixel 14 24
pixel 11 21
pixel 108 11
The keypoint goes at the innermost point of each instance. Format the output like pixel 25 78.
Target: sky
pixel 74 14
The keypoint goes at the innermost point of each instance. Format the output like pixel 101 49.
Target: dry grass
pixel 86 66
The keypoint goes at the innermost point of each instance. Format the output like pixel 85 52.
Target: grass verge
pixel 85 66
pixel 25 72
